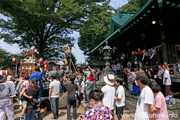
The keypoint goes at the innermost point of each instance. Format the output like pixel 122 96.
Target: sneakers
pixel 54 118
pixel 22 118
pixel 44 113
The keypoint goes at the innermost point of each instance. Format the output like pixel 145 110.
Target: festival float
pixel 26 66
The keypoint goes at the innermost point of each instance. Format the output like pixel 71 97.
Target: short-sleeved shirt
pixel 45 88
pixel 71 86
pixel 38 75
pixel 120 94
pixel 98 113
pixel 55 86
pixel 109 94
pixel 146 97
pixel 160 102
pixel 166 75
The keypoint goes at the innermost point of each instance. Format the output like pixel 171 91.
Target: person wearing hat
pixel 7 92
pixel 109 91
pixel 144 107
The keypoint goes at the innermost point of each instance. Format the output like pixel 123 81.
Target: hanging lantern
pixel 35 50
pixel 41 60
pixel 14 59
pixel 65 61
pixel 4 72
pixel 44 62
pixel 45 66
pixel 66 49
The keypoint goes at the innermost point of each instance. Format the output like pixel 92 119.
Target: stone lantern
pixel 107 57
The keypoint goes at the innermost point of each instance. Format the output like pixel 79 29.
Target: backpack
pixel 72 96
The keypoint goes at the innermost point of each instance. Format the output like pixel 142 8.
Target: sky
pixel 75 50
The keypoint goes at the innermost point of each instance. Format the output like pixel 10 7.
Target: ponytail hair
pixel 96 94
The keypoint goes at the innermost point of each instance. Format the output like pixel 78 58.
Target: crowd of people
pixel 42 90
pixel 137 59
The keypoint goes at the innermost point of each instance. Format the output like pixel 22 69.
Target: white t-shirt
pixel 55 86
pixel 166 75
pixel 146 97
pixel 109 94
pixel 120 94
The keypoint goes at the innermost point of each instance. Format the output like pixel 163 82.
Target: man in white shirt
pixel 54 91
pixel 120 99
pixel 109 92
pixel 144 107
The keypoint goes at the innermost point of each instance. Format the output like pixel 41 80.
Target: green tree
pixel 43 24
pixel 96 28
pixel 6 58
pixel 133 5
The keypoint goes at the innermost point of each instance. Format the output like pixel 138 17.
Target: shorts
pixel 24 102
pixel 119 111
pixel 45 103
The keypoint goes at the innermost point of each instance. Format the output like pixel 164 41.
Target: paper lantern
pixel 65 61
pixel 14 59
pixel 35 50
pixel 45 66
pixel 66 49
pixel 4 72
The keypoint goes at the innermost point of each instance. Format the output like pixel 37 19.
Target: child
pixel 25 85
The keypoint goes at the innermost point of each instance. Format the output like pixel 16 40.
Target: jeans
pixel 87 98
pixel 55 107
pixel 30 115
pixel 69 109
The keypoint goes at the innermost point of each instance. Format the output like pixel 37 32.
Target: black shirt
pixel 31 104
pixel 45 88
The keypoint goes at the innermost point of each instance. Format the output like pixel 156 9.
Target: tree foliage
pixel 96 28
pixel 6 58
pixel 43 24
pixel 133 5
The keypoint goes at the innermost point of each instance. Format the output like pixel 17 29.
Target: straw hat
pixel 110 79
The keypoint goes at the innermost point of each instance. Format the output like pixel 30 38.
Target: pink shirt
pixel 25 85
pixel 159 102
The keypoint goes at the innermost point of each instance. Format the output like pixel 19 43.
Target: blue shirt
pixel 36 75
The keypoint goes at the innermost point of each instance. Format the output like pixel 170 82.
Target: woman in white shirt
pixel 166 80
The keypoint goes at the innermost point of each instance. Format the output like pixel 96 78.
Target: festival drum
pixel 4 72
